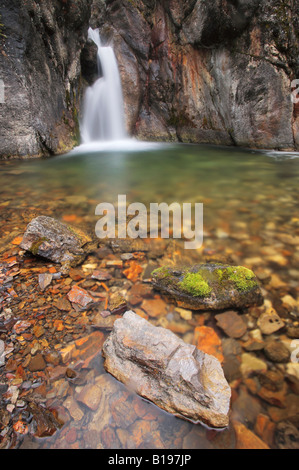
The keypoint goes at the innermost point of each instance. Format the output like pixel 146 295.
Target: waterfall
pixel 103 113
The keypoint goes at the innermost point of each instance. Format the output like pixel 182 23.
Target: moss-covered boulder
pixel 209 286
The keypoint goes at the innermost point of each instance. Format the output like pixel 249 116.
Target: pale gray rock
pixel 162 368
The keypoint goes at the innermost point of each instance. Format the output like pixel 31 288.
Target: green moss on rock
pixel 194 284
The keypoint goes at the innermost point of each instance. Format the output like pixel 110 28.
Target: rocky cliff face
pixel 195 71
pixel 200 71
pixel 40 66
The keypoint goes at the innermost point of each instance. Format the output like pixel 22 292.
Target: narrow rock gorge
pixel 196 71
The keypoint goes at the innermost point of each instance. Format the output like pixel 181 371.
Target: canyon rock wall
pixel 40 50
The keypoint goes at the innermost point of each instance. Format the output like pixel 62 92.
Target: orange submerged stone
pixel 246 439
pixel 207 340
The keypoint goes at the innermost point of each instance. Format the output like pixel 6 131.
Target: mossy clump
pixel 243 278
pixel 194 284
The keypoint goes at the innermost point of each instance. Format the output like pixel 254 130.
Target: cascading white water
pixel 103 113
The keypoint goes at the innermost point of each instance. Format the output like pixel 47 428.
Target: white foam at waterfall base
pixel 125 145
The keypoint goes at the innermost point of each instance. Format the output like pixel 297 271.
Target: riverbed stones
pixel 252 364
pixel 44 280
pixel 79 296
pixel 232 324
pixel 56 241
pixel 209 286
pixel 162 368
pixel 270 322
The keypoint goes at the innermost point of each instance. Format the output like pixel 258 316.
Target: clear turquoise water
pixel 250 198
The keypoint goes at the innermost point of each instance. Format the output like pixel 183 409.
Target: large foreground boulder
pixel 209 286
pixel 162 368
pixel 58 242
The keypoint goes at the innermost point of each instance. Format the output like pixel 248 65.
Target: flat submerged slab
pixel 209 286
pixel 162 368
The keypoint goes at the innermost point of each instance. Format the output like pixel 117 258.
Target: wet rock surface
pixel 206 72
pixel 163 369
pixel 40 67
pixel 209 286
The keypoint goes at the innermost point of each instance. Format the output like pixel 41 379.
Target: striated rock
pixel 45 423
pixel 54 240
pixel 209 286
pixel 206 71
pixel 160 367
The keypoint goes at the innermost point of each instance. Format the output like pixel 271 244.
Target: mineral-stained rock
pixel 212 71
pixel 54 240
pixel 232 324
pixel 209 286
pixel 162 368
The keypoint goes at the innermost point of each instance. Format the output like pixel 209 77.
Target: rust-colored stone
pixel 207 340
